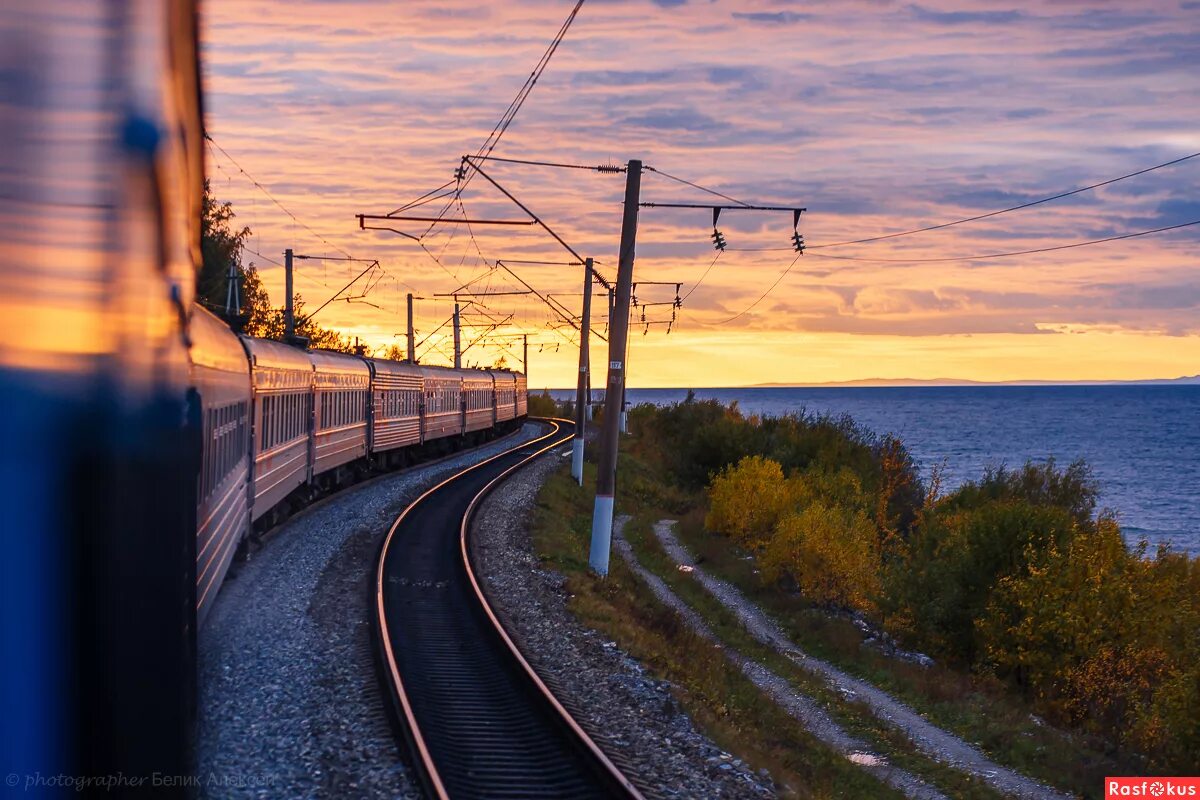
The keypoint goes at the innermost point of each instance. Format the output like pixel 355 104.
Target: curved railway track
pixel 477 719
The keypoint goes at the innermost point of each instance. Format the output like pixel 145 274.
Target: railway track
pixel 477 719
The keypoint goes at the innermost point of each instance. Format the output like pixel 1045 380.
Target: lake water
pixel 1142 442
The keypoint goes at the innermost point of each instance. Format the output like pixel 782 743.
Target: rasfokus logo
pixel 1151 787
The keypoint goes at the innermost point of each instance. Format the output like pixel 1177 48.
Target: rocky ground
pixel 632 716
pixel 290 702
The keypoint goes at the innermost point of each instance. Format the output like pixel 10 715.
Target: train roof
pixel 268 354
pixel 330 361
pixel 214 345
pixel 387 366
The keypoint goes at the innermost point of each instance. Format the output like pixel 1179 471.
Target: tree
pixel 222 244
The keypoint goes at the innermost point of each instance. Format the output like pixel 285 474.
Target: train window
pixel 266 423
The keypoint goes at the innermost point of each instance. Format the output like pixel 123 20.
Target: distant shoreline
pixel 1187 380
pixel 913 383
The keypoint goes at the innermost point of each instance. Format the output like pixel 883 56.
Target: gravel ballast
pixel 632 716
pixel 290 702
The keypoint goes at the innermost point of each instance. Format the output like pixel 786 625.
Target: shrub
pixel 830 551
pixel 944 576
pixel 812 528
pixel 748 500
pixel 543 405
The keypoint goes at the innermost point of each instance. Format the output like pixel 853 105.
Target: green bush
pixel 543 405
pixel 1013 575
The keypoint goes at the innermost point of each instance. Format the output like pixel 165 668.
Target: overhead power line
pixel 956 258
pixel 510 113
pixel 271 197
pixel 704 275
pixel 695 186
pixel 558 165
pixel 977 217
pixel 763 296
pixel 984 257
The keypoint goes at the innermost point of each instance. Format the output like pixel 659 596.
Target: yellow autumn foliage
pixel 813 528
pixel 831 552
pixel 748 500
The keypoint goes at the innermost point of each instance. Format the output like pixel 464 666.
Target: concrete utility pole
pixel 457 340
pixel 289 313
pixel 624 394
pixel 581 399
pixel 412 338
pixel 618 337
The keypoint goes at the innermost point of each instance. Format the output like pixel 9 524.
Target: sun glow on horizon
pixel 889 118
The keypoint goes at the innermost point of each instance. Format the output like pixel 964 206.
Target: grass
pixel 722 701
pixel 734 712
pixel 976 708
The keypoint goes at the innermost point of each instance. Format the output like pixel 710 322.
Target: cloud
pixel 773 17
pixel 878 117
pixel 923 14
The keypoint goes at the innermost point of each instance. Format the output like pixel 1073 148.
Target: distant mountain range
pixel 1187 380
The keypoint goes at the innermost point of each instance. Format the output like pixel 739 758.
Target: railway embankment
pixel 634 716
pixel 290 700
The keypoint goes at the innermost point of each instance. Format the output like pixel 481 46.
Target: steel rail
pixel 608 779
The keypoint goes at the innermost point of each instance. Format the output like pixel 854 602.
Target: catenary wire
pixel 977 217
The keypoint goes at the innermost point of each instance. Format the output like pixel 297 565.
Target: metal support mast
pixel 289 312
pixel 525 357
pixel 618 328
pixel 412 338
pixel 581 398
pixel 457 339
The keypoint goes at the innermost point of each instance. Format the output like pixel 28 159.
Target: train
pixel 144 440
pixel 280 424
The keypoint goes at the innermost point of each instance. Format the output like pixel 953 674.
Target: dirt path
pixel 799 705
pixel 935 742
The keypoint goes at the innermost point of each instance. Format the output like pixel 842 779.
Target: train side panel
pixel 282 421
pixel 221 376
pixel 341 392
pixel 395 405
pixel 506 396
pixel 479 399
pixel 522 392
pixel 441 412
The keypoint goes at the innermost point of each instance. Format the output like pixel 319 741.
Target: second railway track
pixel 477 719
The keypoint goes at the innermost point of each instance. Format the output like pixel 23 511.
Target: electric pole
pixel 457 340
pixel 614 395
pixel 289 313
pixel 581 399
pixel 233 297
pixel 525 358
pixel 412 347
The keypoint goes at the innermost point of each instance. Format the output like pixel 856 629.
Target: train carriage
pixel 395 406
pixel 479 401
pixel 522 396
pixel 506 396
pixel 341 392
pixel 282 417
pixel 221 377
pixel 441 412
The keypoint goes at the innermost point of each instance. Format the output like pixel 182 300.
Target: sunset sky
pixel 876 116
